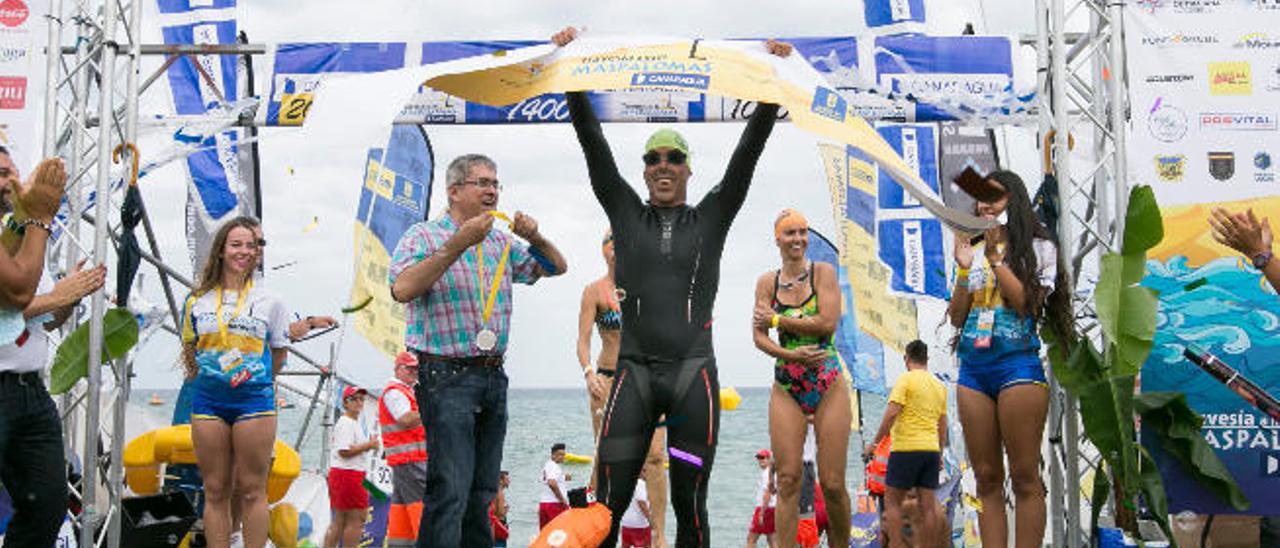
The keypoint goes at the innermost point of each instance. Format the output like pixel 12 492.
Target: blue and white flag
pixel 221 184
pixel 861 355
pixel 911 239
pixel 894 16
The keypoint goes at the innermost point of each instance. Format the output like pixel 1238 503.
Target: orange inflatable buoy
pixel 576 528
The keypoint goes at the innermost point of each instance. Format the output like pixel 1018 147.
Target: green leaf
pixel 1177 426
pixel 1153 490
pixel 1081 368
pixel 71 362
pixel 1101 491
pixel 1143 227
pixel 1126 313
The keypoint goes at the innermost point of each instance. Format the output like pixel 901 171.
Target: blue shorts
pixel 991 378
pixel 911 469
pixel 250 405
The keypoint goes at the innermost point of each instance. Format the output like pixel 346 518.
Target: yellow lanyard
pixel 240 300
pixel 497 276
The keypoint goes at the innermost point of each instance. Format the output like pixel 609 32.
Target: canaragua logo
pixel 13 13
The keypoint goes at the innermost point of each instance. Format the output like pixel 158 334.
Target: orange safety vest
pixel 878 467
pixel 402 445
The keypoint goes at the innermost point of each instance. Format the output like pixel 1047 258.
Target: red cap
pixel 407 358
pixel 353 390
pixel 763 454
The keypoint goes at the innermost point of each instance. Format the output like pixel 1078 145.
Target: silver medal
pixel 486 340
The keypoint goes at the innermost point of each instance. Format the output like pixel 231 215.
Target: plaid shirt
pixel 444 321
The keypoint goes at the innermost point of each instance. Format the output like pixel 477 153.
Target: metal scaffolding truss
pixel 1082 94
pixel 91 113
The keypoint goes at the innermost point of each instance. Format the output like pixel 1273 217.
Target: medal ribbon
pixel 240 300
pixel 497 275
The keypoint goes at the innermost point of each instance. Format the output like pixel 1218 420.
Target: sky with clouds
pixel 540 166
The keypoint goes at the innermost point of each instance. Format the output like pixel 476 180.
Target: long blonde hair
pixel 211 276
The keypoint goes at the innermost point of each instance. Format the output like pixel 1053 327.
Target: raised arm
pixel 612 191
pixel 726 198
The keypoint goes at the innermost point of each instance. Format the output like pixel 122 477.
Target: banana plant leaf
pixel 1153 492
pixel 1178 428
pixel 71 362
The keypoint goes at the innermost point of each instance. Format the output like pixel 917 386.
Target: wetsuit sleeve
pixel 726 198
pixel 612 191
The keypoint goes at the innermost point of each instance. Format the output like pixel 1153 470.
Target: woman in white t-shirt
pixel 347 496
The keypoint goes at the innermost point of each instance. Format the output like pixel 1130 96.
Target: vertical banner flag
pixel 894 16
pixel 298 69
pixel 394 196
pixel 23 37
pixel 862 370
pixel 220 184
pixel 888 319
pixel 963 146
pixel 910 238
pixel 1204 81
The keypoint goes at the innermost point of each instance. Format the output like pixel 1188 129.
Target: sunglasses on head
pixel 674 157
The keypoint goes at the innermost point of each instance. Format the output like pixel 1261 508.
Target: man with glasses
pixel 404 443
pixel 455 274
pixel 667 263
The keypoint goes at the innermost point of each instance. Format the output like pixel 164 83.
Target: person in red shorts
pixel 766 496
pixel 347 496
pixel 637 529
pixel 555 492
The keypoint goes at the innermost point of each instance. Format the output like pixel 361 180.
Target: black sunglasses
pixel 674 157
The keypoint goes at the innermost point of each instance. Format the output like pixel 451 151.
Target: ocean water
pixel 542 417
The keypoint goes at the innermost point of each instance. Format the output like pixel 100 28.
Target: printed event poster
pixel 1205 90
pixel 394 196
pixel 891 320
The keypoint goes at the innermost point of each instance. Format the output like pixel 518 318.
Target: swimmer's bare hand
pixel 524 226
pixel 778 47
pixel 963 252
pixel 473 230
pixel 565 36
pixel 595 384
pixel 762 318
pixel 810 355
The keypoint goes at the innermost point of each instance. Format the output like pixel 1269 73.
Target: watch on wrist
pixel 1260 260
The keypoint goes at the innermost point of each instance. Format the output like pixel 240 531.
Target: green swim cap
pixel 667 138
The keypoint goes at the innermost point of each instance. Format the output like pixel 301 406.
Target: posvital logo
pixel 828 103
pixel 1230 78
pixel 1238 121
pixel 1170 167
pixel 1179 40
pixel 13 13
pixel 1257 41
pixel 671 79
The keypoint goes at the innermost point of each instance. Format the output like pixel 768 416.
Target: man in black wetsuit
pixel 668 270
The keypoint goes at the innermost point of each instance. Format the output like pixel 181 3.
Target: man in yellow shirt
pixel 917 419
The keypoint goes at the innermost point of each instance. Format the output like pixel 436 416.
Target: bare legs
pixel 246 448
pixel 1013 422
pixel 786 434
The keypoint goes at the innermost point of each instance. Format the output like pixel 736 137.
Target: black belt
pixel 468 361
pixel 29 377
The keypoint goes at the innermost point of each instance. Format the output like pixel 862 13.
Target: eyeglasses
pixel 413 367
pixel 674 157
pixel 484 184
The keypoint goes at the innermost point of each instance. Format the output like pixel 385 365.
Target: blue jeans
pixel 464 410
pixel 32 466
